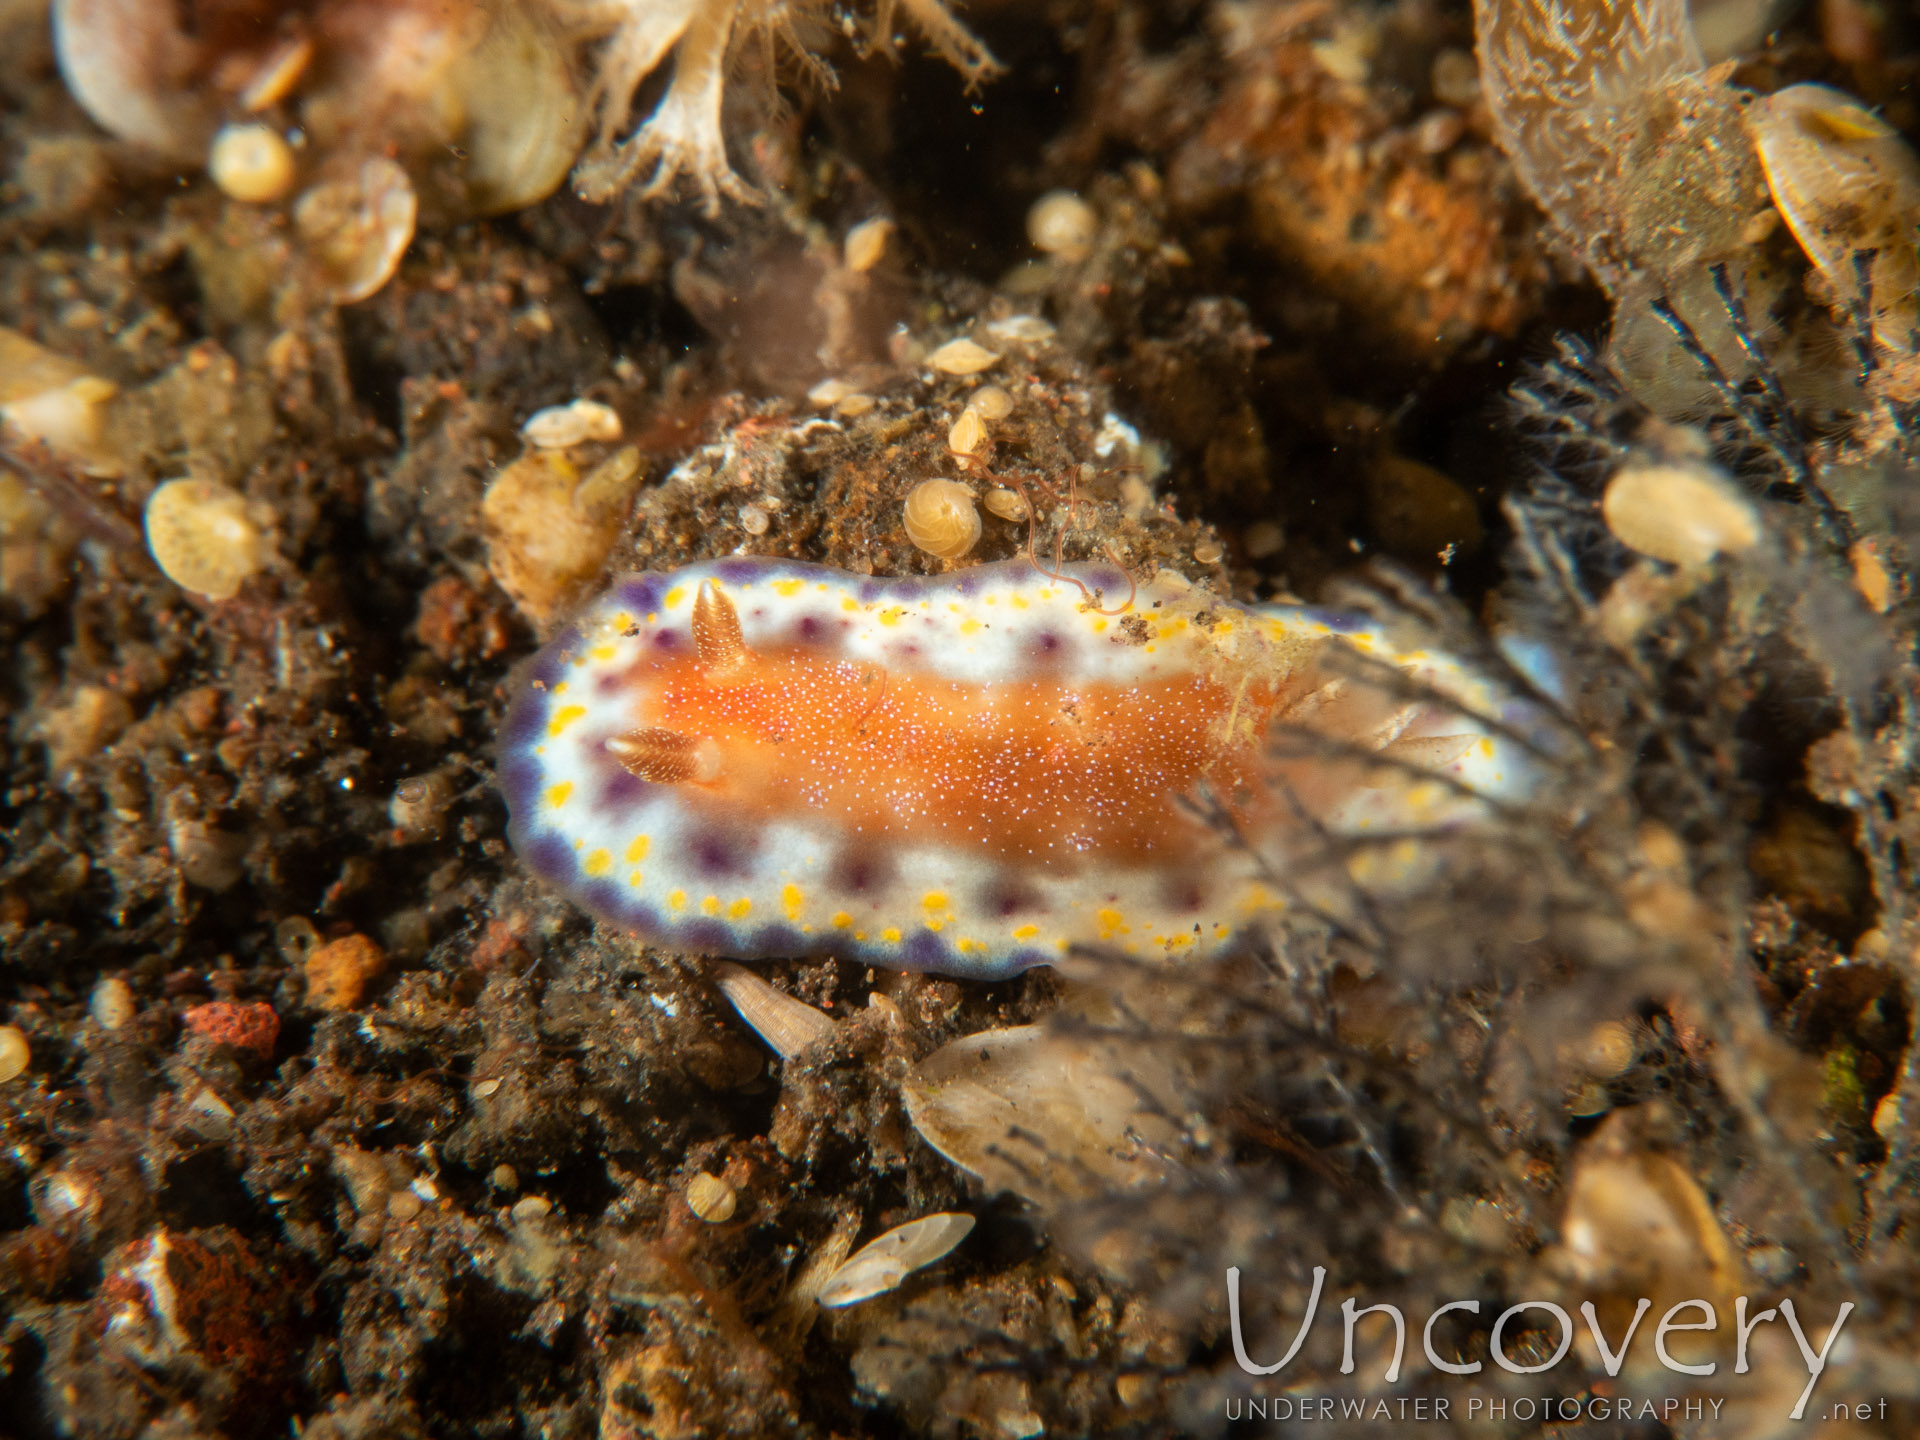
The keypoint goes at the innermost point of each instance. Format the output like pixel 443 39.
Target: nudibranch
pixel 971 773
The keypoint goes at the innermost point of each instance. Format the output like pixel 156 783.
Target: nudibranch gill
pixel 972 772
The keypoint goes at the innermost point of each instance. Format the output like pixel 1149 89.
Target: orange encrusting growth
pixel 1039 770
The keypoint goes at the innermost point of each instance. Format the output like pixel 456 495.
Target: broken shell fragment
pixel 49 398
pixel 1682 512
pixel 866 243
pixel 130 65
pixel 962 357
pixel 1847 185
pixel 966 434
pixel 112 1004
pixel 14 1053
pixel 1045 1115
pixel 880 1266
pixel 991 403
pixel 560 427
pixel 711 1198
pixel 517 153
pixel 357 229
pixel 940 518
pixel 202 538
pixel 790 1026
pixel 251 163
pixel 549 528
pixel 1007 504
pixel 1063 225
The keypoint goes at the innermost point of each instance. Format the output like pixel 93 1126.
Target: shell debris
pixel 50 398
pixel 201 536
pixel 1063 225
pixel 14 1053
pixel 881 1265
pixel 1847 183
pixel 940 518
pixel 790 1026
pixel 991 403
pixel 112 1003
pixel 357 229
pixel 1043 1114
pixel 967 434
pixel 962 357
pixel 711 1198
pixel 252 163
pixel 866 244
pixel 561 427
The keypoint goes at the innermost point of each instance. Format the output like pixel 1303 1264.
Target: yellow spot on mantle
pixel 637 851
pixel 677 900
pixel 934 900
pixel 969 627
pixel 599 862
pixel 634 879
pixel 740 909
pixel 674 598
pixel 892 615
pixel 563 717
pixel 710 905
pixel 791 899
pixel 1112 923
pixel 563 687
pixel 602 653
pixel 841 919
pixel 891 934
pixel 1026 932
pixel 557 794
pixel 788 588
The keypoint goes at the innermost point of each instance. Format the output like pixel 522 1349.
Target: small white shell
pixel 357 229
pixel 274 78
pixel 1063 225
pixel 1045 1115
pixel 1845 182
pixel 1007 504
pixel 790 1026
pixel 878 1267
pixel 866 243
pixel 517 153
pixel 14 1053
pixel 940 518
pixel 962 357
pixel 967 434
pixel 560 427
pixel 991 403
pixel 1021 330
pixel 251 162
pixel 112 1003
pixel 1682 512
pixel 711 1198
pixel 127 62
pixel 202 538
pixel 50 398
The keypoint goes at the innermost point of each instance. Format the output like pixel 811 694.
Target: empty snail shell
pixel 941 519
pixel 1847 185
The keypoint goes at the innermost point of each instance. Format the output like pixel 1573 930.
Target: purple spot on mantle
pixel 549 856
pixel 620 789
